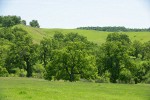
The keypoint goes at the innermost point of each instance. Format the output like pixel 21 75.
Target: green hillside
pixel 95 36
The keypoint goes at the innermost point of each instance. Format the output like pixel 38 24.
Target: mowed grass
pixel 39 89
pixel 95 36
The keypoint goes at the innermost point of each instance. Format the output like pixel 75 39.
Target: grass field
pixel 95 36
pixel 39 89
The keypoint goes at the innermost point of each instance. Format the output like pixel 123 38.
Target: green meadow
pixel 40 89
pixel 96 36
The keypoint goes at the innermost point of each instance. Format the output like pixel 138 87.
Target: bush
pixel 147 76
pixel 38 75
pixel 102 80
pixel 38 71
pixel 22 73
pixel 14 71
pixel 148 81
pixel 3 72
pixel 125 76
pixel 105 78
pixel 18 72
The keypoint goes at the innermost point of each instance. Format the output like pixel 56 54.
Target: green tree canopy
pixel 34 23
pixel 71 61
pixel 113 55
pixel 8 21
pixel 22 53
pixel 23 22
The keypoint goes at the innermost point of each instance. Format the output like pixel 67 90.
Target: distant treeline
pixel 114 29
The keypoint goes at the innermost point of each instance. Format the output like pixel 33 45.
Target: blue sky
pixel 76 13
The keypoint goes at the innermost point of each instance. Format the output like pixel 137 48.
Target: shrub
pixel 22 73
pixel 18 72
pixel 147 78
pixel 3 72
pixel 38 71
pixel 125 76
pixel 148 81
pixel 105 78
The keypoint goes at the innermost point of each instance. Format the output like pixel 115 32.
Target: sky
pixel 77 13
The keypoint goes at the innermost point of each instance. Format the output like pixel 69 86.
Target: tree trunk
pixel 72 75
pixel 29 69
pixel 44 60
pixel 113 78
pixel 115 72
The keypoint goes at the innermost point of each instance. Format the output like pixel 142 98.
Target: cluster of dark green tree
pixel 17 52
pixel 72 57
pixel 115 29
pixel 125 61
pixel 8 21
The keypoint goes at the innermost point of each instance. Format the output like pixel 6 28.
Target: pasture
pixel 95 36
pixel 12 88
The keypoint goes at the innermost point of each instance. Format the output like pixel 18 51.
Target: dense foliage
pixel 34 23
pixel 72 57
pixel 9 21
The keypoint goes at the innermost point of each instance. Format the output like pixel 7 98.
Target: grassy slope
pixel 95 36
pixel 38 89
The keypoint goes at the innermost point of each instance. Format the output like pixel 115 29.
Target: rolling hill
pixel 96 36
